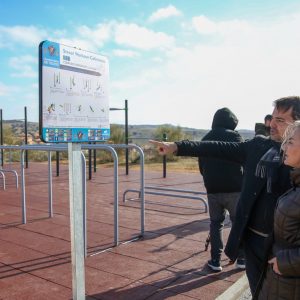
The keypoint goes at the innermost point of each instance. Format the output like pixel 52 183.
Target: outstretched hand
pixel 164 148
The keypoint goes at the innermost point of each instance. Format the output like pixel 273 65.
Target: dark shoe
pixel 240 263
pixel 215 265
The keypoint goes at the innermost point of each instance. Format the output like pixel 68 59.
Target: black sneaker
pixel 215 265
pixel 240 263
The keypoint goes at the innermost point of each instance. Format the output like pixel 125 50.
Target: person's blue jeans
pixel 218 204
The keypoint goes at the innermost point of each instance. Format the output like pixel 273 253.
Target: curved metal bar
pixel 142 176
pixel 116 185
pixel 14 172
pixel 203 200
pixel 174 190
pixel 3 177
pixel 24 217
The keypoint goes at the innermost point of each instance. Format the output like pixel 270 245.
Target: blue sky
pixel 175 61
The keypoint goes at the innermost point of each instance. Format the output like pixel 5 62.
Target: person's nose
pixel 273 123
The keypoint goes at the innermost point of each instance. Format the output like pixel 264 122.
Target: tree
pixel 8 136
pixel 117 134
pixel 173 133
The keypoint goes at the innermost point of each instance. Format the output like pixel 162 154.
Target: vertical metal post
pixel 116 197
pixel 1 137
pixel 25 131
pixel 76 221
pixel 126 136
pixel 83 160
pixel 50 195
pixel 165 158
pixel 90 163
pixel 24 218
pixel 57 163
pixel 142 194
pixel 95 159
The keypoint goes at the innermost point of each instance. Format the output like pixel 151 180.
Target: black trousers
pixel 255 254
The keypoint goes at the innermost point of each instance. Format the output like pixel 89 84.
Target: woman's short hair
pixel 289 132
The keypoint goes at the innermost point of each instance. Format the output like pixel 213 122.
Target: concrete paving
pixel 168 263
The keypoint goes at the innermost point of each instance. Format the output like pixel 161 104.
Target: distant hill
pixel 137 133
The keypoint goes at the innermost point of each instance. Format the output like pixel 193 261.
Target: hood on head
pixel 225 118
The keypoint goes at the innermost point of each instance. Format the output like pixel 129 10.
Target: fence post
pixel 165 138
pixel 90 162
pixel 26 132
pixel 1 137
pixel 57 163
pixel 126 136
pixel 95 159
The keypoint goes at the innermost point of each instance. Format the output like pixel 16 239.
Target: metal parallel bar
pixel 24 217
pixel 50 194
pixel 1 137
pixel 26 133
pixel 14 172
pixel 167 195
pixel 126 138
pixel 174 190
pixel 120 146
pixel 3 177
pixel 116 191
pixel 172 195
pixel 111 148
pixel 116 197
pixel 142 188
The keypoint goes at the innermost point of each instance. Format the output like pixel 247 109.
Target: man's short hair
pixel 286 103
pixel 268 118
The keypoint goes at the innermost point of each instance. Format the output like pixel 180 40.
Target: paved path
pixel 168 263
pixel 246 295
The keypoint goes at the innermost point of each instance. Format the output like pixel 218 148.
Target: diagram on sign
pixel 75 93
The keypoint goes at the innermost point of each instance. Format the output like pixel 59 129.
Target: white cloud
pixel 98 35
pixel 164 13
pixel 141 37
pixel 25 66
pixel 204 25
pixel 79 43
pixel 127 34
pixel 25 35
pixel 244 70
pixel 125 53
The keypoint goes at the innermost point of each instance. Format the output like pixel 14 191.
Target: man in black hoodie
pixel 223 181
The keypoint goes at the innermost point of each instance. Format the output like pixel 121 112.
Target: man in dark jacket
pixel 265 179
pixel 223 181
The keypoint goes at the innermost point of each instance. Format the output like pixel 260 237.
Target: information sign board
pixel 73 94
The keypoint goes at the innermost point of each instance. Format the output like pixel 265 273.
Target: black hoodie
pixel 222 176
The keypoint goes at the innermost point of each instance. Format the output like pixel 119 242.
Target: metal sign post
pixel 73 98
pixel 76 220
